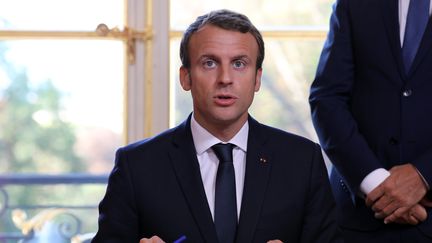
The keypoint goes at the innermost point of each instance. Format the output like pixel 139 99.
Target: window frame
pixel 146 36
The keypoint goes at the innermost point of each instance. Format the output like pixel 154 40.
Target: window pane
pixel 288 71
pixel 61 105
pixel 282 101
pixel 263 13
pixel 60 14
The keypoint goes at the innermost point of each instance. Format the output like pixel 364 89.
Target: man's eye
pixel 209 63
pixel 239 64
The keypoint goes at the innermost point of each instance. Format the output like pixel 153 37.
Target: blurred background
pixel 78 79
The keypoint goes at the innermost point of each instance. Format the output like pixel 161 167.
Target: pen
pixel 182 238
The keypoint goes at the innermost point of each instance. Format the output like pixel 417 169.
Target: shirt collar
pixel 203 140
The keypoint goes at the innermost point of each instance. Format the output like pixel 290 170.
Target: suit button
pixel 407 93
pixel 344 186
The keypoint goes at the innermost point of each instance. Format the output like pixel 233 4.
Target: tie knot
pixel 223 152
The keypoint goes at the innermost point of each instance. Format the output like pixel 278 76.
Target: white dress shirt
pixel 208 161
pixel 377 176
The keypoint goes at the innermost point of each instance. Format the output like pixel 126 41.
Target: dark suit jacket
pixel 367 111
pixel 155 188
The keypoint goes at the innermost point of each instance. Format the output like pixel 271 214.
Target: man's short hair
pixel 225 19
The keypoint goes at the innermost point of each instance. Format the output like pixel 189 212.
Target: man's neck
pixel 222 131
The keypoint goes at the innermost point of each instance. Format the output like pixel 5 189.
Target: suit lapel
pixel 255 185
pixel 389 10
pixel 424 47
pixel 185 163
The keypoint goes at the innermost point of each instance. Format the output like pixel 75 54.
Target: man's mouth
pixel 225 99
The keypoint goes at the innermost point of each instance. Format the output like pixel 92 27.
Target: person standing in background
pixel 371 105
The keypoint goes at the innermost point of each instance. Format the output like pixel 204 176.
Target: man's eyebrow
pixel 241 57
pixel 216 58
pixel 209 56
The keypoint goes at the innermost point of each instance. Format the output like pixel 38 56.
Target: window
pixel 62 102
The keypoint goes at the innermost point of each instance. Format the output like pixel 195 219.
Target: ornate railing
pixel 50 215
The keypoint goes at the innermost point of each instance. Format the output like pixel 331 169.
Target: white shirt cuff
pixel 373 179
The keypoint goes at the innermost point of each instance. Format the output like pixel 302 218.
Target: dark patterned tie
pixel 417 18
pixel 225 214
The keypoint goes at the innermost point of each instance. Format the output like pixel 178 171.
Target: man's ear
pixel 258 79
pixel 185 79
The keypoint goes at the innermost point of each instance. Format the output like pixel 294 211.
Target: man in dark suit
pixel 168 188
pixel 372 109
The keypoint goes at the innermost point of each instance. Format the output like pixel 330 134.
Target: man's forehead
pixel 217 41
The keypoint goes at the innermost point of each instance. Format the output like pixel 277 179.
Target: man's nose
pixel 225 75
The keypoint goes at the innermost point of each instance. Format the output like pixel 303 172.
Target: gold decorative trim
pixel 278 34
pixel 126 81
pixel 148 82
pixel 102 32
pixel 19 217
pixel 114 34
